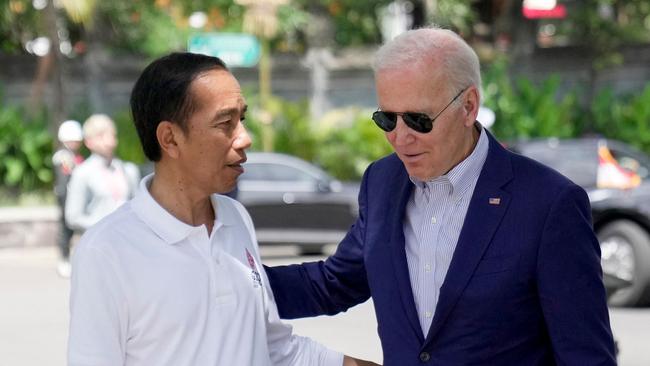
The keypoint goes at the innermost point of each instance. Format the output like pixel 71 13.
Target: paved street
pixel 34 315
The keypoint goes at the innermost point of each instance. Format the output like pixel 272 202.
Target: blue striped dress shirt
pixel 434 217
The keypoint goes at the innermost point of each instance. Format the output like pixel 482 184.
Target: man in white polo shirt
pixel 174 276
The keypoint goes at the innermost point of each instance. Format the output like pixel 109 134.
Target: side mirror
pixel 323 186
pixel 326 186
pixel 335 186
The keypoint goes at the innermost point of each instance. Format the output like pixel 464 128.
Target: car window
pixel 274 172
pixel 577 162
pixel 253 171
pixel 631 163
pixel 280 172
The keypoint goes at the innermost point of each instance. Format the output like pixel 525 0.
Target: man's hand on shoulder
pixel 351 361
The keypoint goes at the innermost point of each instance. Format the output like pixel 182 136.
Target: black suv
pixel 617 178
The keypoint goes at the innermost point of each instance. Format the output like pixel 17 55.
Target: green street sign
pixel 235 49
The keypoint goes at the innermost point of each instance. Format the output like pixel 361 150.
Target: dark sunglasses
pixel 419 122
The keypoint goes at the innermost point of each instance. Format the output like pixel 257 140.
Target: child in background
pixel 65 160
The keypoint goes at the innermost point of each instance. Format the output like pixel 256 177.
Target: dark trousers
pixel 64 236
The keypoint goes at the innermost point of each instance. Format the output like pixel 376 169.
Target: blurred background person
pixel 64 160
pixel 101 183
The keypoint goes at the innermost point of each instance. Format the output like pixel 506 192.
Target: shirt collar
pixel 167 226
pixel 462 176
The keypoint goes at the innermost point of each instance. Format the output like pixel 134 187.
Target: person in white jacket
pixel 174 276
pixel 102 182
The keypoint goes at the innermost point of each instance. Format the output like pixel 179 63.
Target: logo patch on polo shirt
pixel 255 275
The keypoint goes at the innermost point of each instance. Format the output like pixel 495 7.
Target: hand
pixel 351 361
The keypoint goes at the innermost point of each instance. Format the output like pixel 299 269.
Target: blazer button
pixel 425 356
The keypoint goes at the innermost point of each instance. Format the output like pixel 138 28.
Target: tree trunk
pixel 50 65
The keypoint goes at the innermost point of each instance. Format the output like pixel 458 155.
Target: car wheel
pixel 312 249
pixel 625 254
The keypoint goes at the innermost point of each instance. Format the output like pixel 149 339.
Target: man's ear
pixel 169 136
pixel 471 104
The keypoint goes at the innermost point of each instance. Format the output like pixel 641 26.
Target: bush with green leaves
pixel 346 151
pixel 525 109
pixel 282 126
pixel 344 145
pixel 26 150
pixel 292 129
pixel 623 118
pixel 128 146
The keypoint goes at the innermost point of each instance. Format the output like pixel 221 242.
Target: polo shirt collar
pixel 167 226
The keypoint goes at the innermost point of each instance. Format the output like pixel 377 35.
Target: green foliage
pixel 155 35
pixel 292 129
pixel 625 119
pixel 18 20
pixel 291 22
pixel 355 22
pixel 26 150
pixel 603 26
pixel 155 27
pixel 128 147
pixel 344 147
pixel 289 130
pixel 525 110
pixel 455 14
pixel 347 151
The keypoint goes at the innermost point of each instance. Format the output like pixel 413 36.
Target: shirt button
pixel 425 356
pixel 427 267
pixel 433 219
pixel 428 314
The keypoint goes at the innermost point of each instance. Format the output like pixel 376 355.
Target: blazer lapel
pixel 397 243
pixel 486 209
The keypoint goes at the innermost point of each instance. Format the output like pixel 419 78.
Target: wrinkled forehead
pixel 423 76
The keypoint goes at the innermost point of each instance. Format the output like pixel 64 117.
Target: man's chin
pixel 414 171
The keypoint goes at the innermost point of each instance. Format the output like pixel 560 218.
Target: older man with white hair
pixel 473 255
pixel 101 183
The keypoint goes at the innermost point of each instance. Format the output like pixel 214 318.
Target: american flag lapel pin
pixel 495 201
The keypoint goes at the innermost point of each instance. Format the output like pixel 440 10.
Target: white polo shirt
pixel 150 290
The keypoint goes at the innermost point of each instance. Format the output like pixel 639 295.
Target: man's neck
pixel 469 147
pixel 107 160
pixel 181 200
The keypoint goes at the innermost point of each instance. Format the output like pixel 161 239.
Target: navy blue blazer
pixel 524 286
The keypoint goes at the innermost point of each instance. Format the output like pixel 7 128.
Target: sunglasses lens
pixel 385 120
pixel 418 121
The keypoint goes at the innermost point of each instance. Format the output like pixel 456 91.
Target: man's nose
pixel 243 139
pixel 402 133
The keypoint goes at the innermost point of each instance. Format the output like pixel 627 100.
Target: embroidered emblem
pixel 495 201
pixel 255 275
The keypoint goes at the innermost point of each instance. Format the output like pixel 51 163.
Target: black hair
pixel 162 93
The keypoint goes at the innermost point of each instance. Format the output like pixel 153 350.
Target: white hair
pixel 430 48
pixel 97 124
